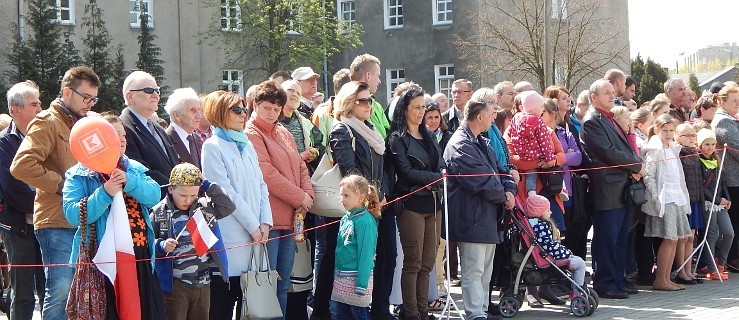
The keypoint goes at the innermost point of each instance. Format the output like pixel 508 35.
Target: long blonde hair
pixel 364 189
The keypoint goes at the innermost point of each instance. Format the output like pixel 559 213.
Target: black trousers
pixel 223 297
pixel 734 216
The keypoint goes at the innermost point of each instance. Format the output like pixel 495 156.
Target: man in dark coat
pixel 185 114
pixel 475 203
pixel 146 141
pixel 606 145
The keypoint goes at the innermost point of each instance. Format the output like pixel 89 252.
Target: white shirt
pixel 183 135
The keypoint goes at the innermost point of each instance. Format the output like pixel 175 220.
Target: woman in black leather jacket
pixel 417 161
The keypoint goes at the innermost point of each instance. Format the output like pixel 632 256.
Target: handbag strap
pixel 91 245
pixel 265 258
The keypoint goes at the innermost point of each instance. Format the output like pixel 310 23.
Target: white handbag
pixel 259 288
pixel 325 182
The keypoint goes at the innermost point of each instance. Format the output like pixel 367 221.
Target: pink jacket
pixel 284 172
pixel 530 138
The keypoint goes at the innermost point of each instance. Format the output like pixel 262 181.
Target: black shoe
pixel 646 281
pixel 629 289
pixel 615 294
pixel 683 281
pixel 493 309
pixel 698 280
pixel 493 317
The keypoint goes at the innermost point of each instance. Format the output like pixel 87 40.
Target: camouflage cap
pixel 185 174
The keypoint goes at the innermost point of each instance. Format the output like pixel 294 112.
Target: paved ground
pixel 710 300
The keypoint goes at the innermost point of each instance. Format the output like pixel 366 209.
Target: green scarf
pixel 709 164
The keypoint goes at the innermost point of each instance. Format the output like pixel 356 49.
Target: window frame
pixel 292 22
pixel 149 11
pixel 226 8
pixel 386 13
pixel 229 82
pixel 390 81
pixel 69 8
pixel 448 12
pixel 438 78
pixel 346 25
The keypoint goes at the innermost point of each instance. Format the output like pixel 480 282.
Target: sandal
pixel 437 304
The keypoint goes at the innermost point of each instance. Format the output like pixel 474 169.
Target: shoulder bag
pixel 635 193
pixel 87 298
pixel 302 275
pixel 325 182
pixel 551 180
pixel 259 288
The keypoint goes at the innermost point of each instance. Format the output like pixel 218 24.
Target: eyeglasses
pixel 689 135
pixel 364 101
pixel 147 90
pixel 460 91
pixel 239 110
pixel 86 98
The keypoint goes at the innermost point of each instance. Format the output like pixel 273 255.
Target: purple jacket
pixel 573 158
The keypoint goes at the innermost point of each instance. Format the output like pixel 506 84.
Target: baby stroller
pixel 526 263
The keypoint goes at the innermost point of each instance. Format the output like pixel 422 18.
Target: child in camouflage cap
pixel 185 278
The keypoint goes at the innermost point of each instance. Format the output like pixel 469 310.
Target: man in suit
pixel 461 93
pixel 606 145
pixel 146 140
pixel 185 114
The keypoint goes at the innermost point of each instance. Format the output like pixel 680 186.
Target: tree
pixel 41 56
pixel 149 53
pixel 119 74
pixel 70 55
pixel 509 37
pixel 97 45
pixel 693 84
pixel 263 36
pixel 650 78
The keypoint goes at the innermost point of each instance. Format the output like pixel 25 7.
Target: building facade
pixel 712 58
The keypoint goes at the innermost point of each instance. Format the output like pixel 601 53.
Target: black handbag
pixel 635 193
pixel 551 180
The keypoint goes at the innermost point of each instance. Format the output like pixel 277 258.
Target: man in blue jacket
pixel 16 220
pixel 475 203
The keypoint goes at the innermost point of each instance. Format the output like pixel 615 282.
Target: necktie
pixel 193 150
pixel 156 135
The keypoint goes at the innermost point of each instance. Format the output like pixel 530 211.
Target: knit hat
pixel 535 206
pixel 530 100
pixel 704 134
pixel 185 174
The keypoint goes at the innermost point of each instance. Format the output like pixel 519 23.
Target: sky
pixel 663 29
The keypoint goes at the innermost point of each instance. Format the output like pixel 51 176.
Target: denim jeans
pixel 24 249
pixel 281 257
pixel 56 248
pixel 343 311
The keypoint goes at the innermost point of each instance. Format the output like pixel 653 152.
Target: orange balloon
pixel 95 144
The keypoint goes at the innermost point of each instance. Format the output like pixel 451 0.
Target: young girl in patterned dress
pixel 355 250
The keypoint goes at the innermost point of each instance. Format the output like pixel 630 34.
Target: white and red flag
pixel 202 237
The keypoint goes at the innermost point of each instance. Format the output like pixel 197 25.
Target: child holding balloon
pixel 98 189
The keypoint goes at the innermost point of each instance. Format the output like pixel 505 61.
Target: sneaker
pixel 563 195
pixel 713 276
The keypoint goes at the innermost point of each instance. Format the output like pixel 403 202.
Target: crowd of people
pixel 644 178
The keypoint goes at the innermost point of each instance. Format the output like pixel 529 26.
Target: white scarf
pixel 374 139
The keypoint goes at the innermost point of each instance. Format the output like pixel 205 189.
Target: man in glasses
pixel 461 93
pixel 41 161
pixel 147 142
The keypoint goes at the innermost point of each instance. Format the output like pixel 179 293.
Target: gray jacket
pixel 726 128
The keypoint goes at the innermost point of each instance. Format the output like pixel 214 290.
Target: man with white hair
pixel 17 199
pixel 185 114
pixel 676 90
pixel 442 100
pixel 147 142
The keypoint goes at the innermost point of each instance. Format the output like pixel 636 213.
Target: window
pixel 65 12
pixel 230 15
pixel 393 14
pixel 444 76
pixel 138 7
pixel 559 9
pixel 293 23
pixel 347 14
pixel 442 12
pixel 233 80
pixel 394 78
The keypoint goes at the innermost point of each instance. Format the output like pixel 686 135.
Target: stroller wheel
pixel 593 305
pixel 592 293
pixel 580 306
pixel 508 306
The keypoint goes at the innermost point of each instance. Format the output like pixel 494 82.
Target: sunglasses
pixel 147 90
pixel 239 110
pixel 85 98
pixel 431 105
pixel 365 101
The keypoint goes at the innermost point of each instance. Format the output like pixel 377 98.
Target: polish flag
pixel 201 235
pixel 116 260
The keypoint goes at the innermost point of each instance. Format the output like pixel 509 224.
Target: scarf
pixel 65 110
pixel 238 137
pixel 496 143
pixel 575 122
pixel 374 139
pixel 709 164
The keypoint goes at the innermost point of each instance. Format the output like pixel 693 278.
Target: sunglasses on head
pixel 147 90
pixel 431 106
